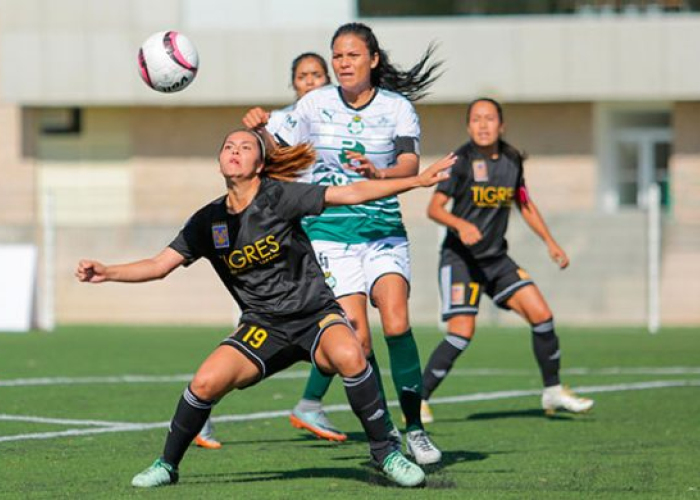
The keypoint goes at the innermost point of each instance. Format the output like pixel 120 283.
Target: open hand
pixel 437 171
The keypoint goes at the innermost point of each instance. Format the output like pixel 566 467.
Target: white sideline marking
pixel 59 421
pixel 297 374
pixel 481 396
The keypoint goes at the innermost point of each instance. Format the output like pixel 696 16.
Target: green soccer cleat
pixel 159 474
pixel 402 471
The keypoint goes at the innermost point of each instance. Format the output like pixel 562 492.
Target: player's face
pixel 239 157
pixel 484 125
pixel 352 63
pixel 309 75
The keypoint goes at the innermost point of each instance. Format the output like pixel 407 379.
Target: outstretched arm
pixel 158 267
pixel 361 192
pixel 534 219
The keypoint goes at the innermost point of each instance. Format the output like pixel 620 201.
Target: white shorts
pixel 355 268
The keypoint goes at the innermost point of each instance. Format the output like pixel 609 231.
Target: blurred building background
pixel 603 95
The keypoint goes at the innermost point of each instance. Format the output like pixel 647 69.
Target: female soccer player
pixel 364 128
pixel 253 239
pixel 309 72
pixel 486 180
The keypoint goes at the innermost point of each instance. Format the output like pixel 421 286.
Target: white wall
pixel 56 52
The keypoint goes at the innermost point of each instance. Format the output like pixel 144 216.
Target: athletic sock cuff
pixel 457 341
pixel 196 402
pixel 543 327
pixel 359 378
pixel 395 339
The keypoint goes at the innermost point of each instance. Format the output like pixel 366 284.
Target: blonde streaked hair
pixel 284 163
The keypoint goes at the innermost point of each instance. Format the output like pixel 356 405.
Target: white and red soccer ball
pixel 168 61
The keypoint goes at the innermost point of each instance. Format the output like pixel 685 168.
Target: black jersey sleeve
pixel 294 200
pixel 457 180
pixel 188 242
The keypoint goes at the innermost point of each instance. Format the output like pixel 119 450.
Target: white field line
pixel 59 421
pixel 482 396
pixel 300 374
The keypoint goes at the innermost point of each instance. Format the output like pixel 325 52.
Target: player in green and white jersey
pixel 365 128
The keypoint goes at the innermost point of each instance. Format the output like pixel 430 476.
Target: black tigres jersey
pixel 262 255
pixel 483 190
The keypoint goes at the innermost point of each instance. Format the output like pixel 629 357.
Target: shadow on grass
pixel 533 413
pixel 364 473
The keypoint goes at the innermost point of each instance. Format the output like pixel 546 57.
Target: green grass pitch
pixel 69 399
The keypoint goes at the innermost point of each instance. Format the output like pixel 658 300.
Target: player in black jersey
pixel 486 181
pixel 252 237
pixel 309 72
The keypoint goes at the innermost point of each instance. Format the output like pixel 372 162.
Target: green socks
pixel 408 380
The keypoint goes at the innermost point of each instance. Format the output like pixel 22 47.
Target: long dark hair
pixel 503 147
pixel 412 84
pixel 310 55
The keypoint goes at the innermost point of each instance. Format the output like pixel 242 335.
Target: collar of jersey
pixel 347 105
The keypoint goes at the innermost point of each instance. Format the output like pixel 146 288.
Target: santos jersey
pixel 262 255
pixel 278 118
pixel 483 190
pixel 380 130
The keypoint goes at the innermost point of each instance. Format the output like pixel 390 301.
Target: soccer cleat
pixel 419 445
pixel 561 397
pixel 316 422
pixel 159 474
pixel 426 414
pixel 402 471
pixel 207 442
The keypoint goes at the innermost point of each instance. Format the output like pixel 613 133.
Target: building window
pixel 61 121
pixel 414 8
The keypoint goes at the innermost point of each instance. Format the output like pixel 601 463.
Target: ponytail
pixel 285 163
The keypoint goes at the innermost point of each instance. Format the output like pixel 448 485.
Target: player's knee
pixel 394 318
pixel 539 314
pixel 205 386
pixel 348 360
pixel 366 347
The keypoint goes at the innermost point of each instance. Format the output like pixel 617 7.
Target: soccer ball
pixel 168 61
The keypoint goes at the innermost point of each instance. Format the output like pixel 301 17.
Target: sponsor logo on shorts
pixel 522 273
pixel 329 319
pixel 457 296
pixel 219 233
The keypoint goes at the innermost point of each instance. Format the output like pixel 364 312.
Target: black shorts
pixel 462 280
pixel 274 345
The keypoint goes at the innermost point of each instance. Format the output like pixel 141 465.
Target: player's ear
pixel 374 60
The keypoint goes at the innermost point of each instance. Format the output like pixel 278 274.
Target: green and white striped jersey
pixel 324 119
